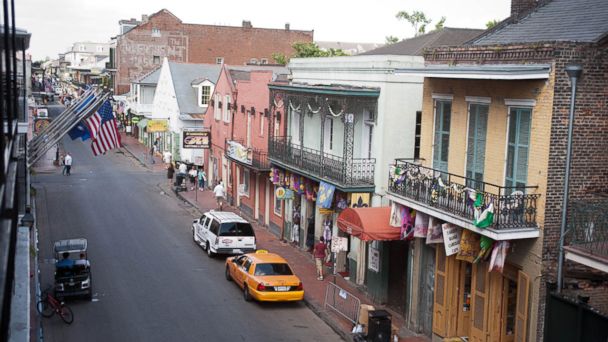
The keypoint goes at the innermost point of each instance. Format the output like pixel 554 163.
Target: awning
pixel 368 224
pixel 142 123
pixel 481 71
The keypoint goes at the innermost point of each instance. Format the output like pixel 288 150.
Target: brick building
pixel 162 34
pixel 495 119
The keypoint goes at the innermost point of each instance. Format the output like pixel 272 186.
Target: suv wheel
pixel 194 236
pixel 209 252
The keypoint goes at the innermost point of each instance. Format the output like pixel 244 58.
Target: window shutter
pixel 440 295
pixel 521 312
pixel 479 303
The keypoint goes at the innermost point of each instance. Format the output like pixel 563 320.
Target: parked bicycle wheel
pixel 66 314
pixel 45 308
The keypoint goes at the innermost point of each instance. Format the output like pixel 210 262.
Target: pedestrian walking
pixel 319 254
pixel 62 163
pixel 202 178
pixel 170 173
pixel 152 154
pixel 219 195
pixel 192 175
pixel 295 231
pixel 68 163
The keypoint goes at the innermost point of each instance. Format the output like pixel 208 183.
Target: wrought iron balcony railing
pixel 360 172
pixel 588 227
pixel 258 159
pixel 453 194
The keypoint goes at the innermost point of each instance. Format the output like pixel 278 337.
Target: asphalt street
pixel 150 281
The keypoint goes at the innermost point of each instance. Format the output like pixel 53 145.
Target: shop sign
pixel 196 139
pixel 374 259
pixel 239 152
pixel 339 244
pixel 157 126
pixel 40 124
pixel 135 120
pixel 359 200
pixel 451 238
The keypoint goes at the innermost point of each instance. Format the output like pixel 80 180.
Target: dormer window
pixel 204 90
pixel 205 95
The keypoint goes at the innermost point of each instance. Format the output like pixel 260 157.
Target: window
pixel 245 182
pixel 247 265
pixel 418 134
pixel 236 229
pixel 226 107
pixel 156 59
pixel 253 61
pixel 99 48
pixel 329 135
pixel 249 118
pixel 205 95
pixel 264 61
pixel 443 114
pixel 476 149
pixel 155 32
pixel 219 60
pixel 217 115
pixel 368 135
pixel 278 203
pixel 214 227
pixel 517 152
pixel 276 269
pixel 262 126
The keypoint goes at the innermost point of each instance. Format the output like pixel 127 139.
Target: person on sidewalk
pixel 68 163
pixel 202 178
pixel 152 154
pixel 62 163
pixel 319 254
pixel 192 175
pixel 170 172
pixel 219 195
pixel 295 231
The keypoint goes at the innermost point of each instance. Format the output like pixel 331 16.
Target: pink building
pixel 240 121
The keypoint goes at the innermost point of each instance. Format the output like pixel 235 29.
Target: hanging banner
pixel 196 139
pixel 157 126
pixel 359 200
pixel 239 152
pixel 326 195
pixel 451 238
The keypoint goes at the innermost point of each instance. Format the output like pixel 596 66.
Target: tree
pixel 439 24
pixel 491 23
pixel 279 58
pixel 304 50
pixel 391 40
pixel 417 19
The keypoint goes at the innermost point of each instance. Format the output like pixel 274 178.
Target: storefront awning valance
pixel 368 224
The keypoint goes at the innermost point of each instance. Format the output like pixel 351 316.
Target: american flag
pixel 103 130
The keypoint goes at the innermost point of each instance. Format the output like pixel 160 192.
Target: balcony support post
pixel 322 145
pixel 349 143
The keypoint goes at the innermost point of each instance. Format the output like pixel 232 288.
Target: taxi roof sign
pixel 261 251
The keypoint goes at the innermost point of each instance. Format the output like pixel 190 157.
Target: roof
pixel 266 257
pixel 448 36
pixel 150 78
pixel 558 20
pixel 242 72
pixel 182 75
pixel 332 89
pixel 79 244
pixel 349 47
pixel 368 224
pixel 226 216
pixel 483 71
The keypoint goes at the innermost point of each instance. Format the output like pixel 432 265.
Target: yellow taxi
pixel 264 276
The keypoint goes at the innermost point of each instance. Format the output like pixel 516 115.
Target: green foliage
pixel 305 50
pixel 440 23
pixel 491 23
pixel 417 19
pixel 391 40
pixel 280 58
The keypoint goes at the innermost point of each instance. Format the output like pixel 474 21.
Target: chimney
pixel 519 7
pixel 247 24
pixel 144 18
pixel 286 26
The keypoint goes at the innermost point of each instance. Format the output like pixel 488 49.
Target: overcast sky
pixel 56 24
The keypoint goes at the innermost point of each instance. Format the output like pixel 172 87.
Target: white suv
pixel 221 232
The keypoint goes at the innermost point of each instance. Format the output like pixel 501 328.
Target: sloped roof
pixel 558 20
pixel 150 78
pixel 448 36
pixel 242 72
pixel 183 74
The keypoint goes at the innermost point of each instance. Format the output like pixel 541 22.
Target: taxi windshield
pixel 272 269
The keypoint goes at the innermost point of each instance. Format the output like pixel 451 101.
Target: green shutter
pixel 476 149
pixel 520 121
pixel 443 116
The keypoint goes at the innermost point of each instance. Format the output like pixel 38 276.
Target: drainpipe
pixel 574 71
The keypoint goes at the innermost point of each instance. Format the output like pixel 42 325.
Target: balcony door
pixel 294 127
pixel 520 120
pixel 476 146
pixel 443 117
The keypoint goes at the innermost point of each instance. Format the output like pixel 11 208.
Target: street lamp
pixel 574 71
pixel 28 219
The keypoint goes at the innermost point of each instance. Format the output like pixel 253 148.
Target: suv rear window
pixel 236 229
pixel 272 269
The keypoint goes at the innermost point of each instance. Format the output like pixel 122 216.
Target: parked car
pixel 222 232
pixel 264 276
pixel 72 275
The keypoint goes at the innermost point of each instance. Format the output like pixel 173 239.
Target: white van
pixel 222 232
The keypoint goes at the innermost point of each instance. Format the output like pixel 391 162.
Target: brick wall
pixel 196 44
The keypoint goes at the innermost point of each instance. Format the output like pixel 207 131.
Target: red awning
pixel 368 224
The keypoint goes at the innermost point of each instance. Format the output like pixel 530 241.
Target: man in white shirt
pixel 183 168
pixel 219 194
pixel 68 163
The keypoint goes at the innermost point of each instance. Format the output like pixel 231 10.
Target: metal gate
pixel 342 302
pixel 570 321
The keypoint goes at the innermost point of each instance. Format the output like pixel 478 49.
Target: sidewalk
pixel 301 261
pixel 141 152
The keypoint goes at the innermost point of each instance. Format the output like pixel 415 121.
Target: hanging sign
pixel 40 124
pixel 157 126
pixel 239 152
pixel 451 238
pixel 339 244
pixel 196 139
pixel 374 259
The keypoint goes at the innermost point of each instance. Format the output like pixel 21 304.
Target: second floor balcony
pixel 460 200
pixel 586 240
pixel 250 157
pixel 353 173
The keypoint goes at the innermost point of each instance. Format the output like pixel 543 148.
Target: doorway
pixel 397 275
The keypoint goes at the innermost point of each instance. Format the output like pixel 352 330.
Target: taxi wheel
pixel 246 294
pixel 228 276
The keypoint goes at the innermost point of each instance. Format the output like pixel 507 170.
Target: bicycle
pixel 49 305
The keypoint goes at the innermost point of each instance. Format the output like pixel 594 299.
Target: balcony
pixel 359 173
pixel 250 157
pixel 449 197
pixel 587 236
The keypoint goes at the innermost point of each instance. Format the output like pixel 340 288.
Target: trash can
pixel 379 326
